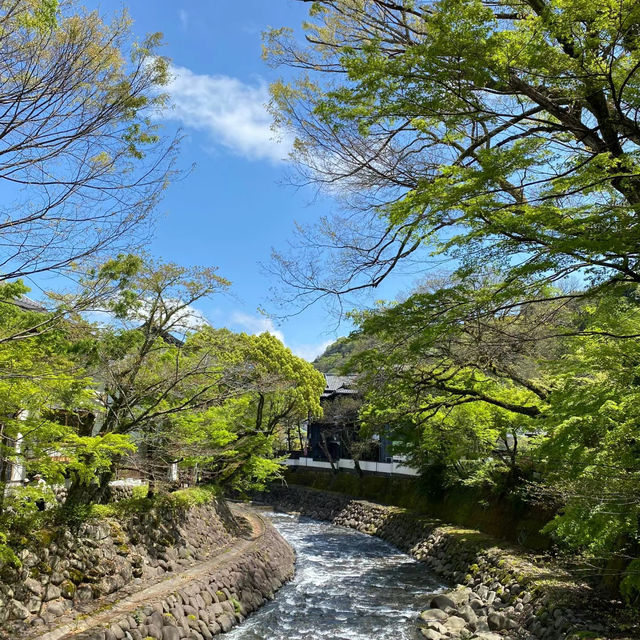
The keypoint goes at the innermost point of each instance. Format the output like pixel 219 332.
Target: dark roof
pixel 339 385
pixel 168 337
pixel 27 304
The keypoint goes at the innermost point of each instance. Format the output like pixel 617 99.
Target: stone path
pixel 161 589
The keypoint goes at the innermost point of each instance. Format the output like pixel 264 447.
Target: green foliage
pixel 185 498
pixel 45 399
pixel 110 163
pixel 7 555
pixel 501 138
pixel 591 449
pixel 335 357
pixel 155 382
pixel 630 585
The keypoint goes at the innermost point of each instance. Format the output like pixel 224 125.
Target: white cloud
pixel 190 319
pixel 256 324
pixel 310 351
pixel 260 324
pixel 184 18
pixel 232 112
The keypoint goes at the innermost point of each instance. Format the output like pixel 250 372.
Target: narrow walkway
pixel 169 585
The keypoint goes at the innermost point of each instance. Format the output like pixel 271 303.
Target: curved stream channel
pixel 347 586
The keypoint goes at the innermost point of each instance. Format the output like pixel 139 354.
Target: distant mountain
pixel 336 355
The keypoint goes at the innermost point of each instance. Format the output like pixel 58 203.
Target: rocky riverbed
pixel 500 593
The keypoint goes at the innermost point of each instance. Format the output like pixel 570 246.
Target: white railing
pixel 391 468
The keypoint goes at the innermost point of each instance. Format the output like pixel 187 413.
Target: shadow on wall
pixel 509 518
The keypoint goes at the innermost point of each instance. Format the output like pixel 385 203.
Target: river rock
pixel 496 621
pixel 56 608
pixel 433 614
pixel 170 633
pixel 430 634
pixel 34 586
pixel 468 614
pixel 442 601
pixel 455 623
pixel 52 593
pixel 435 626
pixel 18 610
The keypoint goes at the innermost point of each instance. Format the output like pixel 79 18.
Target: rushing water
pixel 347 586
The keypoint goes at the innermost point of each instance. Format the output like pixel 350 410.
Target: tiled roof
pixel 339 385
pixel 27 304
pixel 333 383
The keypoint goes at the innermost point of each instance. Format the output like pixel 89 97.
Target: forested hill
pixel 335 356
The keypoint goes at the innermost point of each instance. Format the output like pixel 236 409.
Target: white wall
pixel 391 468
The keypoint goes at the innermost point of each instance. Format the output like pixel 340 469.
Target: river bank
pixel 501 591
pixel 167 573
pixel 347 586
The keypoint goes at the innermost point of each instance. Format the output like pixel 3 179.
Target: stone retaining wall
pixel 212 604
pixel 117 492
pixel 64 570
pixel 500 591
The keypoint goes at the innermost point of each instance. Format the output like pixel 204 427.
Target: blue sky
pixel 233 207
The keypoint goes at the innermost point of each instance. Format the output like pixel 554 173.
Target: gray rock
pixel 468 614
pixel 170 633
pixel 117 631
pixel 204 630
pixel 84 593
pixel 226 621
pixel 57 608
pixel 482 591
pixel 455 623
pixel 488 635
pixel 435 626
pixel 496 621
pixel 442 601
pixel 430 634
pixel 433 614
pixel 52 593
pixel 33 603
pixel 56 577
pixel 34 586
pixel 18 611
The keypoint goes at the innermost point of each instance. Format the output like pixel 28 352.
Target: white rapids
pixel 347 586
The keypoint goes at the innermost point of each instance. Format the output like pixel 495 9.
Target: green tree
pixel 449 391
pixel 150 362
pixel 336 355
pixel 272 388
pixel 502 137
pixel 284 386
pixel 45 396
pixel 591 452
pixel 493 133
pixel 82 164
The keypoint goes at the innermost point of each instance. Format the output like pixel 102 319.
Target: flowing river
pixel 347 586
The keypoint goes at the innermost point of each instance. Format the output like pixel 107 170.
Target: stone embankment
pixel 158 575
pixel 499 592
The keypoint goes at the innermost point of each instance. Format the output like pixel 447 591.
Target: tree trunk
pixel 99 492
pixel 325 450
